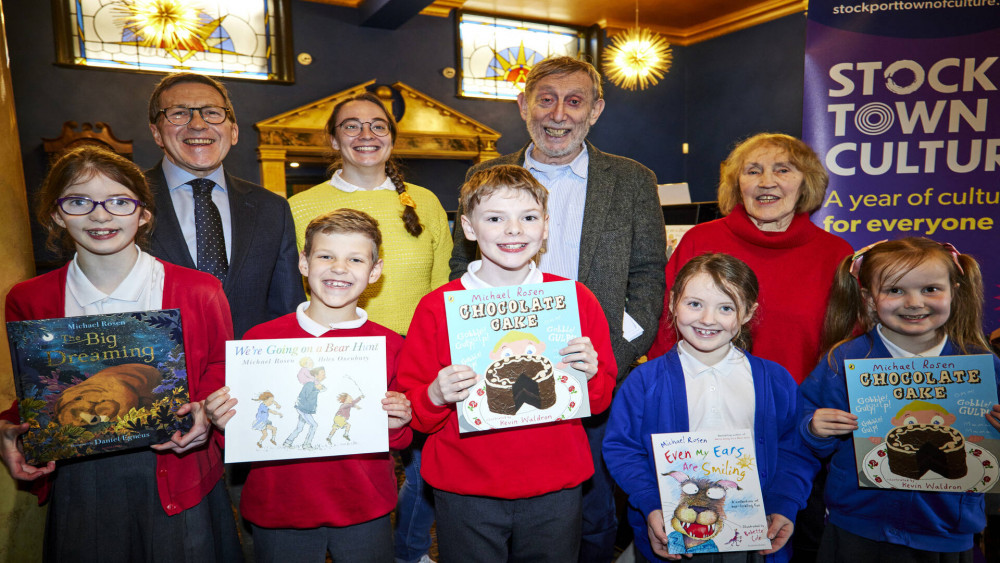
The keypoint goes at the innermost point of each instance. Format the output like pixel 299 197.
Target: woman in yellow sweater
pixel 416 247
pixel 416 242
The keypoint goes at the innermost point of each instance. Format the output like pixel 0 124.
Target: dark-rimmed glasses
pixel 79 205
pixel 353 127
pixel 180 115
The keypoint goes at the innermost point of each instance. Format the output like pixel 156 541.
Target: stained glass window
pixel 233 38
pixel 497 53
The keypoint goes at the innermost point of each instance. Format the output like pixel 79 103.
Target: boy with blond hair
pixel 513 494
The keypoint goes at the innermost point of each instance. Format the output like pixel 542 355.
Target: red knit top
pixel 795 270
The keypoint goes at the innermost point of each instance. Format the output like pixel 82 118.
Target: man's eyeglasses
pixel 179 115
pixel 353 127
pixel 79 205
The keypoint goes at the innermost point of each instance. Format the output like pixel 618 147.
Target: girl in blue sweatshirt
pixel 708 381
pixel 910 297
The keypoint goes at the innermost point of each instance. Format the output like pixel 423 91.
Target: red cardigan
pixel 331 491
pixel 517 463
pixel 182 480
pixel 795 270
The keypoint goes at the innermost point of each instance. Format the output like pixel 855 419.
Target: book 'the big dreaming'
pixel 98 383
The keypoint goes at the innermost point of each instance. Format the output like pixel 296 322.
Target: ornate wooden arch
pixel 93 134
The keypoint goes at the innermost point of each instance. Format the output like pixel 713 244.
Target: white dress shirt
pixel 343 185
pixel 182 196
pixel 721 396
pixel 898 352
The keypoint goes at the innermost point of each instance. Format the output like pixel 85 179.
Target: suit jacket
pixel 263 282
pixel 622 246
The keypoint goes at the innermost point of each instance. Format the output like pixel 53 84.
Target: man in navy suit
pixel 191 118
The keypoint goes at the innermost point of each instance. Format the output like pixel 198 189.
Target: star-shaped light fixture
pixel 637 58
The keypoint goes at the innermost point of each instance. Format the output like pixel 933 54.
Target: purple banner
pixel 902 105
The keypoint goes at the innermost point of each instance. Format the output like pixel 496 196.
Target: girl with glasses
pixel 167 503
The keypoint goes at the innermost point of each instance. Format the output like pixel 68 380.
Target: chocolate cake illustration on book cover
pixel 921 423
pixel 98 383
pixel 511 336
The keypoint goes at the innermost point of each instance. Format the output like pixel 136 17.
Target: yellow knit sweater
pixel 412 266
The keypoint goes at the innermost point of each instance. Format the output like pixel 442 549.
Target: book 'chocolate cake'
pixel 516 380
pixel 919 448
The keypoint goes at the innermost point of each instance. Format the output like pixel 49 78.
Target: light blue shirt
pixel 567 185
pixel 182 195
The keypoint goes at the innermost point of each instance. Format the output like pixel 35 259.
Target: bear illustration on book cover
pixel 98 383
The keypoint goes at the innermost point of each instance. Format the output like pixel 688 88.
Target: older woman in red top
pixel 769 185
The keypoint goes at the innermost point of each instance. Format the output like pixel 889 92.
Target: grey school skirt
pixel 107 509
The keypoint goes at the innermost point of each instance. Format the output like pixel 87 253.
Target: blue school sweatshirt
pixel 931 521
pixel 653 399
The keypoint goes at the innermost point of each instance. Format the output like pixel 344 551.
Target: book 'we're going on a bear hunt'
pixel 511 336
pixel 98 383
pixel 301 398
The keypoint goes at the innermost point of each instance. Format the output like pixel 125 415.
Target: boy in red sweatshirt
pixel 514 494
pixel 302 509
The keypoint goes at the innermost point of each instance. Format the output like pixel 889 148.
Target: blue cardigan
pixel 938 522
pixel 653 399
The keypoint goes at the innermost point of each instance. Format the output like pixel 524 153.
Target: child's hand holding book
pixel 580 354
pixel 658 536
pixel 196 437
pixel 832 422
pixel 452 385
pixel 398 407
pixel 219 407
pixel 13 455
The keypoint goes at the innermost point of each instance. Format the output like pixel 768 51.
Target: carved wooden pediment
pixel 74 135
pixel 427 129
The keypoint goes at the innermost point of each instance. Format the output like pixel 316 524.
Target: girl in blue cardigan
pixel 910 297
pixel 709 382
